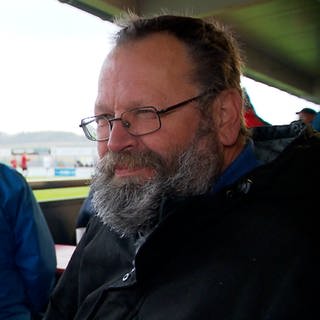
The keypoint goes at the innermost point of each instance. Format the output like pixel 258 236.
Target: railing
pixel 61 214
pixel 51 184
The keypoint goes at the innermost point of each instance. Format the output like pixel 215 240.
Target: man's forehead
pixel 159 60
pixel 158 48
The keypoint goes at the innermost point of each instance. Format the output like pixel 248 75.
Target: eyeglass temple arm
pixel 180 104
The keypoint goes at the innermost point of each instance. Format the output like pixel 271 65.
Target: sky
pixel 50 58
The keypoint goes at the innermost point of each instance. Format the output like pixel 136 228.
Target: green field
pixel 61 193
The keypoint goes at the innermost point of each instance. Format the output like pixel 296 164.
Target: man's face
pixel 180 158
pixel 306 117
pixel 151 72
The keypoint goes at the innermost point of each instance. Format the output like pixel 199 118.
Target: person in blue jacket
pixel 27 255
pixel 316 122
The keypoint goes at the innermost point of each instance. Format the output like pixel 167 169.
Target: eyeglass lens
pixel 137 121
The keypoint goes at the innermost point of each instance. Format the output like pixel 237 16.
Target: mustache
pixel 131 160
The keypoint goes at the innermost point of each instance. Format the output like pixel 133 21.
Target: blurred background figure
pixel 24 163
pixel 310 117
pixel 316 122
pixel 14 163
pixel 47 164
pixel 250 116
pixel 27 254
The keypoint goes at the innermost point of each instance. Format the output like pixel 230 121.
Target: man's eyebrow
pixel 102 109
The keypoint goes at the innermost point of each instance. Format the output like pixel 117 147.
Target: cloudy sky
pixel 50 58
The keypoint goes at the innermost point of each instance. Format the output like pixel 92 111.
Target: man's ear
pixel 227 116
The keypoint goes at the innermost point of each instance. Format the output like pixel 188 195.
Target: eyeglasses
pixel 137 121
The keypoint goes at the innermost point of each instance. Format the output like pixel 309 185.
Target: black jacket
pixel 248 252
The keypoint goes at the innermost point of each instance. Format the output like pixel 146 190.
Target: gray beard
pixel 131 206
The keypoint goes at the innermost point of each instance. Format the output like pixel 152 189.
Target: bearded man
pixel 195 218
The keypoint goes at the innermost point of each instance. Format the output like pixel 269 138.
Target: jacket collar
pixel 244 163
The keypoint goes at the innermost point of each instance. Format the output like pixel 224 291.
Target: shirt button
pixel 126 277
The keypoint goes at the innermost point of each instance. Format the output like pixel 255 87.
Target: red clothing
pixel 24 162
pixel 252 120
pixel 14 163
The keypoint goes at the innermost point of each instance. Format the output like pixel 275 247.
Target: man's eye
pixel 144 113
pixel 101 122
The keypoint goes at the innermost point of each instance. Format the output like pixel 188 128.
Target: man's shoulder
pixel 306 147
pixel 94 226
pixel 101 233
pixel 285 141
pixel 292 130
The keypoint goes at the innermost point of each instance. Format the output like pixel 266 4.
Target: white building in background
pixel 77 161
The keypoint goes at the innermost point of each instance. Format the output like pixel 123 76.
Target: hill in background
pixel 43 138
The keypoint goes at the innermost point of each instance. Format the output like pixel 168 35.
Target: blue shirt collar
pixel 244 163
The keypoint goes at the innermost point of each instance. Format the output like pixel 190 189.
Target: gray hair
pixel 211 46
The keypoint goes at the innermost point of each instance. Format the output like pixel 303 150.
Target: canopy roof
pixel 280 38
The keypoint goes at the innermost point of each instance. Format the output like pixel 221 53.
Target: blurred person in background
pixel 27 254
pixel 24 163
pixel 308 116
pixel 14 163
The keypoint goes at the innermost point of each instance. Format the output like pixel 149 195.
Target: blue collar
pixel 244 163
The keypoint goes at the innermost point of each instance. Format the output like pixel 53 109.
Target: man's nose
pixel 120 139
